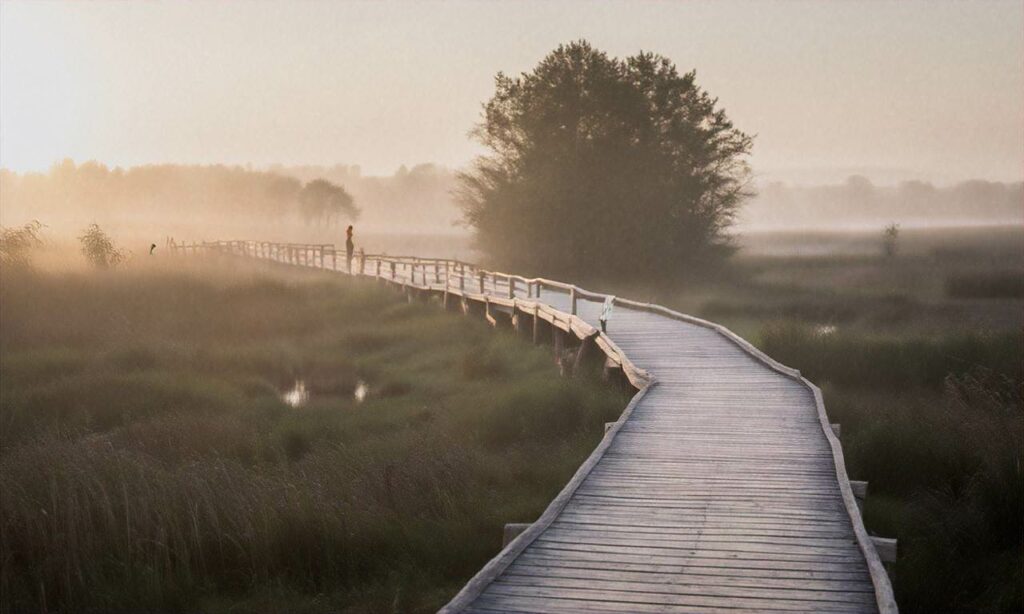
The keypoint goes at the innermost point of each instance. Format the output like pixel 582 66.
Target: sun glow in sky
pixel 933 89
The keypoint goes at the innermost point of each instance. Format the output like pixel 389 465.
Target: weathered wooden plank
pixel 710 573
pixel 862 593
pixel 630 600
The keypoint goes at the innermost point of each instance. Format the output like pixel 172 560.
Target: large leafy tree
pixel 595 163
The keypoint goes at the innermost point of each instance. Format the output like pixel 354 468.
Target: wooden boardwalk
pixel 721 488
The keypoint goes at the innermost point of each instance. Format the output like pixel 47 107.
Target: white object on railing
pixel 606 312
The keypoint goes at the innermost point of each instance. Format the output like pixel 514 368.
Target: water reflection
pixel 359 394
pixel 297 396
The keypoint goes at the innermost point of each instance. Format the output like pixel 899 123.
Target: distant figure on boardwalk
pixel 350 247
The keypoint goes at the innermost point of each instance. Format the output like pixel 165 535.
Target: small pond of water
pixel 298 395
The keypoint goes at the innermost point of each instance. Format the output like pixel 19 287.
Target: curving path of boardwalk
pixel 720 489
pixel 717 493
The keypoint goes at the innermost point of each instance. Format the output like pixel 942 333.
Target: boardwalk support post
pixel 487 311
pixel 583 352
pixel 536 323
pixel 886 548
pixel 860 493
pixel 512 530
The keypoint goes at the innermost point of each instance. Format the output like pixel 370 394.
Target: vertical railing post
pixel 511 287
pixel 536 323
pixel 572 299
pixel 481 274
pixel 462 277
pixel 392 269
pixel 362 261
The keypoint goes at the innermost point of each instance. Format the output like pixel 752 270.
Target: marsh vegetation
pixel 149 460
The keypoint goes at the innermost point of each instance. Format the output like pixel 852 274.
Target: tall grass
pixel 887 361
pixel 147 461
pixel 935 424
pixel 995 284
pixel 945 473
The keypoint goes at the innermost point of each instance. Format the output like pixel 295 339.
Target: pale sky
pixel 933 89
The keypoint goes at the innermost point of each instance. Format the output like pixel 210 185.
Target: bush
pixel 99 249
pixel 16 244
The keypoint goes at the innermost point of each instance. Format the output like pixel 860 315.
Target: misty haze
pixel 481 307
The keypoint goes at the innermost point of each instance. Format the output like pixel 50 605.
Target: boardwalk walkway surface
pixel 720 489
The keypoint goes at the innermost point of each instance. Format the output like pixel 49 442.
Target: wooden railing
pixel 520 296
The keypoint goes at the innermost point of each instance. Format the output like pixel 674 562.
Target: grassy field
pixel 920 358
pixel 149 460
pixel 143 425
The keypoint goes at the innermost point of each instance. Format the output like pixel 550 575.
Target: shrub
pixel 16 244
pixel 99 249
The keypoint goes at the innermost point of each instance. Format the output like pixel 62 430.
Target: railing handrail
pixel 403 259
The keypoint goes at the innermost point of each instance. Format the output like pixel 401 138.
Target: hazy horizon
pixel 921 91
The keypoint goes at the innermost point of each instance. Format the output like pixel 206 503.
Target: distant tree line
pixel 412 199
pixel 859 201
pixel 144 192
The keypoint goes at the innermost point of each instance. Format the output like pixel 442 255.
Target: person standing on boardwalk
pixel 350 247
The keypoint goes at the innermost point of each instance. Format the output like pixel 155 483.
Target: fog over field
pixel 205 408
pixel 205 202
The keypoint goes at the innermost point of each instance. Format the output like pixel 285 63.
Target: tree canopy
pixel 596 163
pixel 324 202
